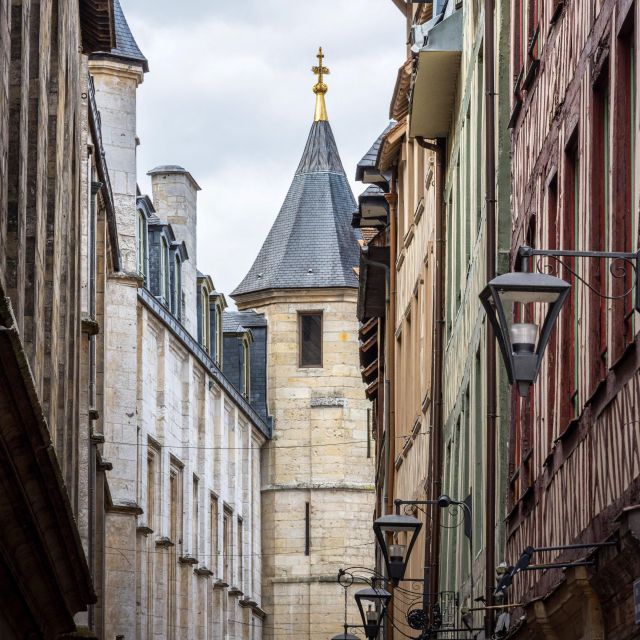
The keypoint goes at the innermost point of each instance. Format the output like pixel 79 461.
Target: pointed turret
pixel 311 243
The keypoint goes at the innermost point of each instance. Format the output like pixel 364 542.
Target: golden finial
pixel 320 88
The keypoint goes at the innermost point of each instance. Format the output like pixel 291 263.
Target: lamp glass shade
pixel 396 554
pixel 521 352
pixel 372 605
pixel 523 336
pixel 396 551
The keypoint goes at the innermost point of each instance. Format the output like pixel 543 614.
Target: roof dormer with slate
pixel 311 243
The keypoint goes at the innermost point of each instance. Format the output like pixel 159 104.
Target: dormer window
pixel 176 291
pixel 164 271
pixel 219 336
pixel 142 245
pixel 246 368
pixel 204 329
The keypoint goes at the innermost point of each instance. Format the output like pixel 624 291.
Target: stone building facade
pixel 427 205
pixel 181 442
pixel 317 489
pixel 58 244
pixel 574 458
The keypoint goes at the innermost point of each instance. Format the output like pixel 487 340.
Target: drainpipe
pixel 392 199
pixel 490 168
pixel 434 487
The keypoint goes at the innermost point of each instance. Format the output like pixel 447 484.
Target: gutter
pixel 390 350
pixel 491 373
pixel 434 462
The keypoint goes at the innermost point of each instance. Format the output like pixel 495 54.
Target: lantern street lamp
pixel 396 554
pixel 375 599
pixel 522 349
pixel 345 636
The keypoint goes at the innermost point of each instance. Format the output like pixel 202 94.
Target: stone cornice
pixel 112 67
pixel 303 296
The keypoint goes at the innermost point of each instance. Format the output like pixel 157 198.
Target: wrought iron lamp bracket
pixel 620 262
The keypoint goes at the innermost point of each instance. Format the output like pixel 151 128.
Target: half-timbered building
pixel 574 458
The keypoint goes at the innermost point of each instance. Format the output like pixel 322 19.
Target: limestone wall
pixel 318 456
pixel 193 447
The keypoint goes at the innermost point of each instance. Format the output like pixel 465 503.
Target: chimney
pixel 175 195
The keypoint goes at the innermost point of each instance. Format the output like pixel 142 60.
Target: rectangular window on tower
pixel 310 338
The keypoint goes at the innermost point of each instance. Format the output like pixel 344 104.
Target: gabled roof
pixel 311 243
pixel 126 46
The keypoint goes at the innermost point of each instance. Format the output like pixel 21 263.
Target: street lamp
pixel 375 599
pixel 521 348
pixel 345 636
pixel 396 555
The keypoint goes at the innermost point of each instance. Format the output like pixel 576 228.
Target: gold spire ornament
pixel 320 88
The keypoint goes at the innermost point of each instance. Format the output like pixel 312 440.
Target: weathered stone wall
pixel 54 251
pixel 318 455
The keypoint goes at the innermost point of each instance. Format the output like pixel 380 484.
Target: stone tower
pixel 317 493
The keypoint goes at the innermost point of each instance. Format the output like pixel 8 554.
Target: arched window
pixel 142 245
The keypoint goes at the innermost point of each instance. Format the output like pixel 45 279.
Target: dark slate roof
pixel 126 45
pixel 372 190
pixel 247 318
pixel 311 243
pixel 232 322
pixel 371 157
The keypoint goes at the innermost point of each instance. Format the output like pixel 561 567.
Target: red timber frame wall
pixel 574 457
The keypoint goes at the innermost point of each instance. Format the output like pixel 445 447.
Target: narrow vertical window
pixel 151 489
pixel 176 294
pixel 307 528
pixel 551 353
pixel 175 535
pixel 203 321
pixel 142 245
pixel 310 339
pixel 571 205
pixel 227 566
pixel 195 517
pixel 239 553
pixel 622 187
pixel 246 368
pixel 219 335
pixel 213 539
pixel 599 227
pixel 164 276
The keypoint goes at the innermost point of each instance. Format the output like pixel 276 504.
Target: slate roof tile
pixel 126 45
pixel 311 243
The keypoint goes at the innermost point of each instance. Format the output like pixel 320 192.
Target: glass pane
pixel 311 340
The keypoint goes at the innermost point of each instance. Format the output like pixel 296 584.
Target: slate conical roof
pixel 311 243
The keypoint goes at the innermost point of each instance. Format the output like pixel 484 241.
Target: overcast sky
pixel 228 96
